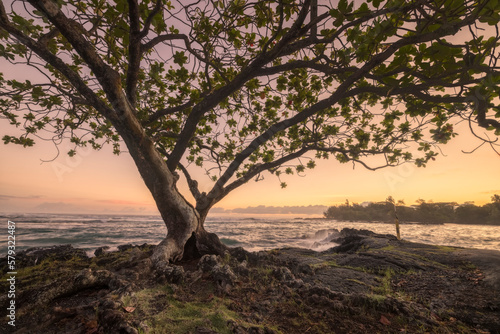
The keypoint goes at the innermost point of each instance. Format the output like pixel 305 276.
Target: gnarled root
pixel 189 247
pixel 169 250
pixel 209 243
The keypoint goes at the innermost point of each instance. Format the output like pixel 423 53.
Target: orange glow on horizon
pixel 98 181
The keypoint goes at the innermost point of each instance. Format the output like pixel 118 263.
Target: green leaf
pixel 180 58
pixel 363 8
pixel 342 6
pixel 311 164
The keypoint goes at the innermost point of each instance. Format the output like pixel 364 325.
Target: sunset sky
pixel 102 182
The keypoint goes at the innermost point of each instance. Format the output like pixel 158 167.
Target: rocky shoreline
pixel 370 283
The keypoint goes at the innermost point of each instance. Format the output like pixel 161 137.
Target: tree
pixel 495 199
pixel 239 88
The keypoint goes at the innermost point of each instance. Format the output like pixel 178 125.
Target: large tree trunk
pixel 186 236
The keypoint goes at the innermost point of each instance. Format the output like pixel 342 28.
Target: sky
pixel 100 182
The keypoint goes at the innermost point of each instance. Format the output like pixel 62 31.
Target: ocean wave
pixel 230 242
pixel 252 234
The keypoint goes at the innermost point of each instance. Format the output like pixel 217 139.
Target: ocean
pixel 254 233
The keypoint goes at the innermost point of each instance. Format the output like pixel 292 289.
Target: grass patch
pixel 359 282
pixel 446 249
pixel 333 263
pixel 387 248
pixel 164 313
pixel 424 260
pixel 46 272
pixel 264 275
pixel 385 287
pixel 468 266
pixel 185 317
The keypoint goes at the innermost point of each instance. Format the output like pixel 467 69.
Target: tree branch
pixel 41 50
pixel 172 110
pixel 346 153
pixel 172 37
pixel 314 19
pixel 312 64
pixel 481 106
pixel 252 172
pixel 44 39
pixel 149 20
pixel 247 73
pixel 134 51
pixel 334 98
pixel 107 77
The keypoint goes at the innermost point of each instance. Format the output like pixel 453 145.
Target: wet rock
pixel 352 240
pixel 235 328
pixel 137 255
pixel 223 276
pixel 255 330
pixel 170 273
pixel 101 250
pixel 305 268
pixel 92 278
pixel 283 274
pixel 122 248
pixel 242 269
pixel 239 253
pixel 348 244
pixel 260 330
pixel 203 330
pixel 109 303
pixel 108 318
pixel 113 321
pixel 207 263
pixel 295 283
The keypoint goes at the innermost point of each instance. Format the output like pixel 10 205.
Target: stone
pixel 92 278
pixel 223 276
pixel 242 269
pixel 170 273
pixel 122 248
pixel 101 250
pixel 203 330
pixel 207 262
pixel 283 274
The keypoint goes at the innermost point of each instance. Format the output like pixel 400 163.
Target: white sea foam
pixel 253 233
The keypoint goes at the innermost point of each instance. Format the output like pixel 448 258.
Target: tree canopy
pixel 241 87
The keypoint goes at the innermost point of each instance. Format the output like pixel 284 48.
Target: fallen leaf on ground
pixel 384 320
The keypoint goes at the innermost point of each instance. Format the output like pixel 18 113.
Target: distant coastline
pixel 278 210
pixel 423 213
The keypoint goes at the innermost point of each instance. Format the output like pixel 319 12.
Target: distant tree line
pixel 263 209
pixel 424 212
